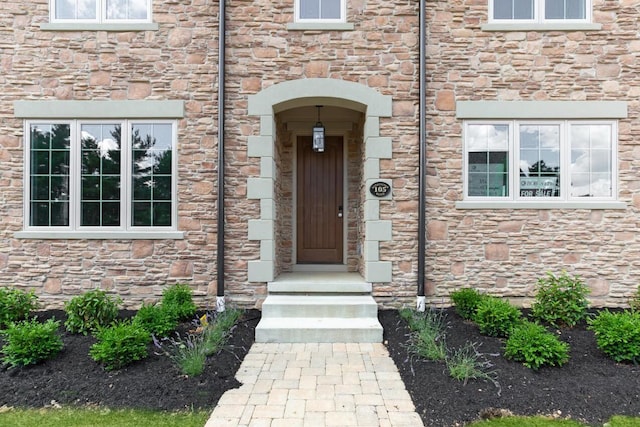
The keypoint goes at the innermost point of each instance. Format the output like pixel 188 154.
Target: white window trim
pixel 342 19
pixel 60 111
pixel 101 16
pixel 539 23
pixel 571 111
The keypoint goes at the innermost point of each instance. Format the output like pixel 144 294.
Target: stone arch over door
pixel 329 92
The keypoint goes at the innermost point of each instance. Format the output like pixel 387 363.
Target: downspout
pixel 221 105
pixel 422 203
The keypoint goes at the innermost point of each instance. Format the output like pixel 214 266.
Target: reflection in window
pixel 560 160
pixel 89 192
pixel 49 174
pixel 321 10
pixel 539 160
pixel 540 10
pixel 101 10
pixel 591 164
pixel 488 160
pixel 152 159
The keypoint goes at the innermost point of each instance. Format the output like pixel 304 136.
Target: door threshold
pixel 320 268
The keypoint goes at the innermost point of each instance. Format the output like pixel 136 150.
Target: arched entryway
pixel 278 106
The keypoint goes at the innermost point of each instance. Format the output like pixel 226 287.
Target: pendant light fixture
pixel 318 134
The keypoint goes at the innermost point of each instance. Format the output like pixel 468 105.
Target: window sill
pixel 71 26
pixel 542 27
pixel 320 26
pixel 100 235
pixel 540 205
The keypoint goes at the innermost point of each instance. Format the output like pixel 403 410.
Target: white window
pixel 100 11
pixel 100 175
pixel 540 160
pixel 320 10
pixel 540 11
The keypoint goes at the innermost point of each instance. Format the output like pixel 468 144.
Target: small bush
pixel 155 320
pixel 634 301
pixel 618 334
pixel 428 333
pixel 218 329
pixel 496 317
pixel 120 344
pixel 178 300
pixel 534 346
pixel 86 313
pixel 560 300
pixel 189 353
pixel 15 305
pixel 467 363
pixel 466 302
pixel 29 342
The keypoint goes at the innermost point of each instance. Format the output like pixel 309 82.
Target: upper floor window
pixel 101 11
pixel 540 11
pixel 320 10
pixel 100 175
pixel 540 160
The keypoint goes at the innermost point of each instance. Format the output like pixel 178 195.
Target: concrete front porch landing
pixel 319 307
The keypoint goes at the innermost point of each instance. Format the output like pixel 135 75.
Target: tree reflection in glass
pixel 152 166
pixel 101 164
pixel 49 174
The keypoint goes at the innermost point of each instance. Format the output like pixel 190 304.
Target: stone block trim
pixel 311 92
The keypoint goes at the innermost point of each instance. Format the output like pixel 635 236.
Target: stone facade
pixel 502 251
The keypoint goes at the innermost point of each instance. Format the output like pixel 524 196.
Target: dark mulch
pixel 73 378
pixel 589 388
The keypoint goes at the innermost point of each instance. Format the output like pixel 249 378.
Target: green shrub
pixel 155 320
pixel 560 300
pixel 534 346
pixel 120 344
pixel 15 305
pixel 618 334
pixel 178 300
pixel 466 302
pixel 496 317
pixel 90 311
pixel 634 301
pixel 29 341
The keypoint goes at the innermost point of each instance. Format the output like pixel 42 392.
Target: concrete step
pixel 319 283
pixel 319 329
pixel 346 306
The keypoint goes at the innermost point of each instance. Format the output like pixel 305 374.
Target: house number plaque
pixel 380 189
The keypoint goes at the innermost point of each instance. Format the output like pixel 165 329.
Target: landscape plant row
pixel 560 301
pixel 120 342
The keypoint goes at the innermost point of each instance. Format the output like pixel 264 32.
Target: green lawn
pixel 69 417
pixel 616 421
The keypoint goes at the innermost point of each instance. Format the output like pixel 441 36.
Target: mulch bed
pixel 589 388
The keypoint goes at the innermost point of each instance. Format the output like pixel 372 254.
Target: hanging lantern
pixel 318 134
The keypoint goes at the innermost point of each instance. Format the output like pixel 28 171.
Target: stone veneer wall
pixel 176 62
pixel 501 251
pixel 505 251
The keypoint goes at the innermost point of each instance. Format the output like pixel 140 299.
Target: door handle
pixel 340 211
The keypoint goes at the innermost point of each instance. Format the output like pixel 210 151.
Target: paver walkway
pixel 309 385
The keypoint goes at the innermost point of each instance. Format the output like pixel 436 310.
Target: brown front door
pixel 320 202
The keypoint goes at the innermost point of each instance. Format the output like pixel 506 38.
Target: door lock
pixel 340 211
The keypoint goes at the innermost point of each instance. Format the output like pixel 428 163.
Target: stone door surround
pixel 305 92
